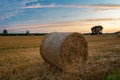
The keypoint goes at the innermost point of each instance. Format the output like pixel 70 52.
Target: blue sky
pixel 43 16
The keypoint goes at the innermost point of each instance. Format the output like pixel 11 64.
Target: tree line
pixel 95 30
pixel 5 33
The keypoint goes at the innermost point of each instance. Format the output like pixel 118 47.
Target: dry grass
pixel 20 59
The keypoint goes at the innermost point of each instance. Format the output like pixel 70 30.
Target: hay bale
pixel 64 50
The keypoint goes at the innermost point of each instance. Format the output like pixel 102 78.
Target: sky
pixel 44 16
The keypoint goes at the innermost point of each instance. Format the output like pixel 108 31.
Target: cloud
pixel 10 8
pixel 105 6
pixel 95 6
pixel 42 6
pixel 48 25
pixel 77 23
pixel 103 19
pixel 35 2
pixel 10 14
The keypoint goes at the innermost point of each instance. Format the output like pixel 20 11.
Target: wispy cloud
pixel 105 6
pixel 10 8
pixel 10 14
pixel 22 5
pixel 77 23
pixel 103 19
pixel 43 6
pixel 34 2
pixel 96 6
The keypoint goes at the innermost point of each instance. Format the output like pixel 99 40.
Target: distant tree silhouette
pixel 27 32
pixel 5 31
pixel 118 33
pixel 97 30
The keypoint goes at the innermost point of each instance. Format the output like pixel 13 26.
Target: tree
pixel 5 31
pixel 27 32
pixel 97 30
pixel 118 33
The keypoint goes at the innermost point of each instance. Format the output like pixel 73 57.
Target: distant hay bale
pixel 64 50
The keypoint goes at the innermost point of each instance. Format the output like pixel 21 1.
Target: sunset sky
pixel 43 16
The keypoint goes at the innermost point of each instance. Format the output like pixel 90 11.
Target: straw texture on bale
pixel 64 50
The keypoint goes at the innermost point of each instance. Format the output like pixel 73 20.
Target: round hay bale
pixel 64 50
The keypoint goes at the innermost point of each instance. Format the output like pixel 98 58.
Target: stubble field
pixel 20 59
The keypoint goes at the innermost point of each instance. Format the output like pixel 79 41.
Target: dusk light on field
pixel 43 16
pixel 59 39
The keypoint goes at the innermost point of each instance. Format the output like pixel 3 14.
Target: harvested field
pixel 20 59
